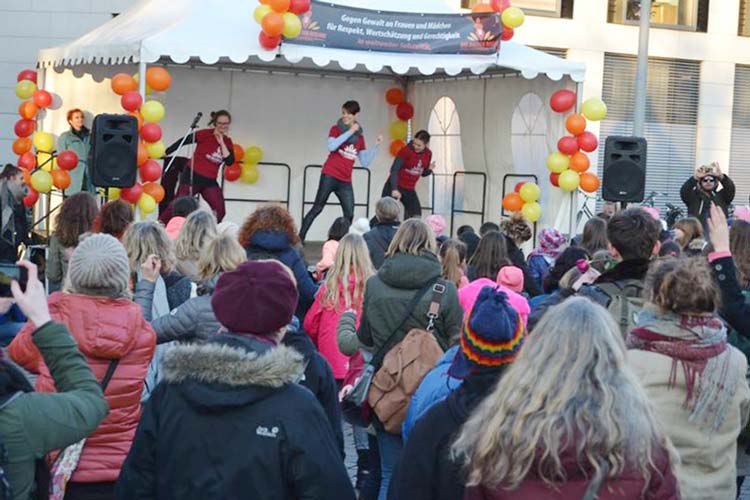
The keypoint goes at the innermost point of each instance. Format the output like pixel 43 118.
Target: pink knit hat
pixel 653 212
pixel 742 213
pixel 511 277
pixel 437 223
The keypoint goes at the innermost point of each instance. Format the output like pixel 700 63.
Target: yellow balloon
pixel 292 25
pixel 261 12
pixel 149 90
pixel 45 161
pixel 532 211
pixel 513 17
pixel 253 155
pixel 25 89
pixel 399 130
pixel 153 111
pixel 44 142
pixel 41 181
pixel 530 193
pixel 250 174
pixel 569 180
pixel 558 163
pixel 594 109
pixel 114 193
pixel 147 203
pixel 156 150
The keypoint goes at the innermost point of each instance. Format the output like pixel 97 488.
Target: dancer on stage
pixel 411 163
pixel 346 143
pixel 213 149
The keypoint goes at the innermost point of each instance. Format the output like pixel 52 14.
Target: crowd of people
pixel 204 360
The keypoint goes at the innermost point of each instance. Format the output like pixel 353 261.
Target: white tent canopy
pixel 216 32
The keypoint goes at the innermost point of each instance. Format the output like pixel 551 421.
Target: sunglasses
pixel 708 179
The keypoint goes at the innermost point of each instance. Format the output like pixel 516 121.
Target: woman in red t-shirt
pixel 411 163
pixel 213 148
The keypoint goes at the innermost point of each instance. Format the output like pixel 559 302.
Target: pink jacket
pixel 105 329
pixel 330 248
pixel 321 324
pixel 468 295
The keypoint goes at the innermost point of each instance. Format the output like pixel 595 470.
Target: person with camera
pixel 708 185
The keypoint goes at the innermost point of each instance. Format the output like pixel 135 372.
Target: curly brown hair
pixel 268 218
pixel 76 217
pixel 115 217
pixel 683 286
pixel 517 228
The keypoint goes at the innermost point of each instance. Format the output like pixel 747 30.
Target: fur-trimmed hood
pixel 231 370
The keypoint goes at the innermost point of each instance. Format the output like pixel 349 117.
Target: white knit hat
pixel 99 266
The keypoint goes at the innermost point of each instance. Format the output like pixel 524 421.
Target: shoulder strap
pixel 433 312
pixel 108 376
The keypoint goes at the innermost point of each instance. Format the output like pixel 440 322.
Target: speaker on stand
pixel 114 151
pixel 624 173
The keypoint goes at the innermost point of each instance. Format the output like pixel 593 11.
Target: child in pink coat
pixel 338 230
pixel 468 295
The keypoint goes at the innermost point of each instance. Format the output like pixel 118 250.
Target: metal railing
pixel 306 203
pixel 285 201
pixel 454 210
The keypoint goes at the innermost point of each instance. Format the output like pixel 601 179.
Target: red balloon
pixel 299 6
pixel 42 98
pixel 131 101
pixel 394 96
pixel 269 42
pixel 151 132
pixel 22 145
pixel 31 198
pixel 562 100
pixel 27 74
pixel 518 187
pixel 499 5
pixel 232 173
pixel 568 145
pixel 554 179
pixel 27 161
pixel 405 111
pixel 24 127
pixel 150 171
pixel 588 142
pixel 67 160
pixel 507 34
pixel 132 194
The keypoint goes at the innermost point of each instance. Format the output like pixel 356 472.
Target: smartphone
pixel 10 272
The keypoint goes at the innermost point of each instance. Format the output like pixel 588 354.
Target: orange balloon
pixel 28 110
pixel 580 162
pixel 138 117
pixel 122 83
pixel 26 177
pixel 265 2
pixel 155 190
pixel 589 182
pixel 273 24
pixel 280 6
pixel 22 145
pixel 394 96
pixel 576 124
pixel 142 153
pixel 513 202
pixel 481 8
pixel 396 147
pixel 61 179
pixel 158 78
pixel 239 153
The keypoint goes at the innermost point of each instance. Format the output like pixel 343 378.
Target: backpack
pixel 625 302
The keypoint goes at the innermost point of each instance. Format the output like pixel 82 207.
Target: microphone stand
pixel 190 133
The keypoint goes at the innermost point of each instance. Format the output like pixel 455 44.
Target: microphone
pixel 196 120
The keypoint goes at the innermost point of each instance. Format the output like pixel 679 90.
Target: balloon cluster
pixel 44 169
pixel 147 193
pixel 569 164
pixel 399 130
pixel 512 17
pixel 524 199
pixel 279 18
pixel 245 166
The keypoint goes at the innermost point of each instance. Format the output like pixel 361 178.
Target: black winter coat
pixel 734 309
pixel 11 240
pixel 698 202
pixel 378 240
pixel 425 470
pixel 229 422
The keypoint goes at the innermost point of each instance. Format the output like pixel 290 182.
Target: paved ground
pixel 743 468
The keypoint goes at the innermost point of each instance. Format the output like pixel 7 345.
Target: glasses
pixel 223 124
pixel 707 181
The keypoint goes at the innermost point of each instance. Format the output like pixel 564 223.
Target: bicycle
pixel 585 210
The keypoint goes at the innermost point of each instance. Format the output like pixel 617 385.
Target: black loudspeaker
pixel 114 151
pixel 624 169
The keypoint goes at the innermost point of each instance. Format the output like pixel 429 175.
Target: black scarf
pixel 81 134
pixel 344 129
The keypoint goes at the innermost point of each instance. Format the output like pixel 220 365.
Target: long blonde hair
pixel 413 237
pixel 223 253
pixel 352 261
pixel 148 238
pixel 198 230
pixel 568 388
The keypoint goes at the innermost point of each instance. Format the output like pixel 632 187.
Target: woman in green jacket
pixel 33 424
pixel 77 139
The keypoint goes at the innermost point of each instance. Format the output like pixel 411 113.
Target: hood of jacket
pixel 272 241
pixel 231 371
pixel 207 287
pixel 104 327
pixel 626 270
pixel 410 272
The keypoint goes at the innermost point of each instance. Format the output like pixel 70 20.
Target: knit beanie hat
pixel 551 240
pixel 437 223
pixel 742 213
pixel 512 277
pixel 257 298
pixel 99 266
pixel 359 226
pixel 492 336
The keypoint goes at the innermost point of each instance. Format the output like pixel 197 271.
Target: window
pixel 671 118
pixel 676 14
pixel 744 18
pixel 739 169
pixel 529 141
pixel 445 129
pixel 556 8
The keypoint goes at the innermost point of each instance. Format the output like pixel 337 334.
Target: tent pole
pixel 142 78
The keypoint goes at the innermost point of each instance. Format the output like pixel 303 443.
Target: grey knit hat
pixel 99 266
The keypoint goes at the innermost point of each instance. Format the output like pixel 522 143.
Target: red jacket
pixel 104 329
pixel 630 485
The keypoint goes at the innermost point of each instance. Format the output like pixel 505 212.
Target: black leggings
pixel 409 198
pixel 344 192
